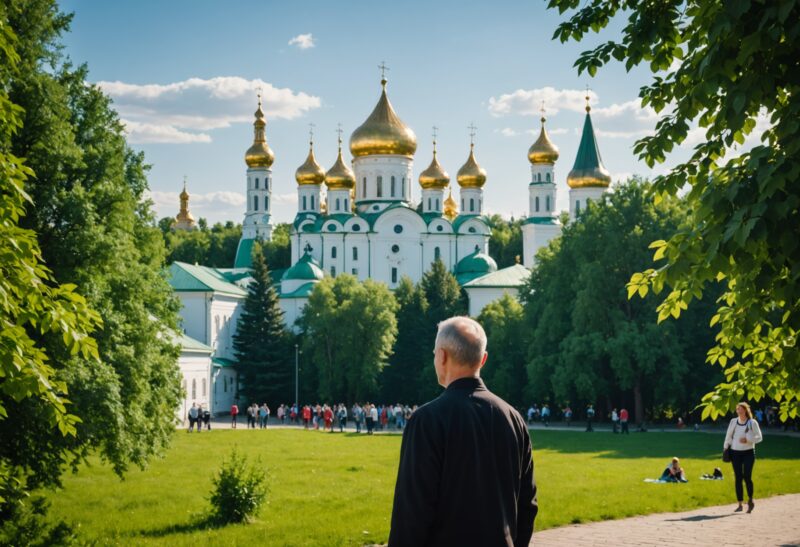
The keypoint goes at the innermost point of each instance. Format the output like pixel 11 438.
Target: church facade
pixel 373 220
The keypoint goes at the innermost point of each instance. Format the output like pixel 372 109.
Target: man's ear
pixel 483 361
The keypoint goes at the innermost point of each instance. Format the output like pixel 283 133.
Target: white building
pixel 373 222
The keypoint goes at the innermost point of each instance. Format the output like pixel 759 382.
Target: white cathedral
pixel 368 221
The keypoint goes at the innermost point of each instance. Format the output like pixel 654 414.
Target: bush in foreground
pixel 239 490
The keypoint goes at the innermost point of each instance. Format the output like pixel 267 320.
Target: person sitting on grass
pixel 674 472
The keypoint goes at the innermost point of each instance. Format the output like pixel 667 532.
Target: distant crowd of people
pixel 543 414
pixel 367 417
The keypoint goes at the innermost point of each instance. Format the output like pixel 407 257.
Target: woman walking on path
pixel 741 438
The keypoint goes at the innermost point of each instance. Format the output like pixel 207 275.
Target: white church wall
pixel 195 370
pixel 292 309
pixel 224 389
pixel 479 298
pixel 534 237
pixel 194 315
pixel 224 314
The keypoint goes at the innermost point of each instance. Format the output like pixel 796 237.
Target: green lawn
pixel 334 489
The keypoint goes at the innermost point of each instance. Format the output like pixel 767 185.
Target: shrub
pixel 239 490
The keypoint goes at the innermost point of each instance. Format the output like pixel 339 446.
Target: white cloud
pixel 290 198
pixel 302 41
pixel 140 133
pixel 507 132
pixel 527 102
pixel 178 112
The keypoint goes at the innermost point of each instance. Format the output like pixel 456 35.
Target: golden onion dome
pixel 259 154
pixel 340 176
pixel 471 175
pixel 434 177
pixel 450 206
pixel 543 150
pixel 310 172
pixel 588 171
pixel 383 132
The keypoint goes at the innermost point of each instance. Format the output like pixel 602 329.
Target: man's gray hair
pixel 464 340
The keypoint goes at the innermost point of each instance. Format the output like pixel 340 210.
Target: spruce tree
pixel 261 342
pixel 443 294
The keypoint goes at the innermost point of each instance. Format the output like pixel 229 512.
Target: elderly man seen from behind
pixel 466 471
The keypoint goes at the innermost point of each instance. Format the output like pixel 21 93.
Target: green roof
pixel 303 291
pixel 188 343
pixel 540 220
pixel 475 264
pixel 221 362
pixel 305 268
pixel 188 278
pixel 461 219
pixel 244 254
pixel 588 154
pixel 513 276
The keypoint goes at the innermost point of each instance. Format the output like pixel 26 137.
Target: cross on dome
pixel 472 129
pixel 311 127
pixel 383 68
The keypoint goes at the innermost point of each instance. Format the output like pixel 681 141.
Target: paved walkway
pixel 774 522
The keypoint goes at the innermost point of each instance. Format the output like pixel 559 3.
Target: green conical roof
pixel 588 170
pixel 305 268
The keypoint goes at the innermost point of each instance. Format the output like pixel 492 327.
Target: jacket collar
pixel 470 384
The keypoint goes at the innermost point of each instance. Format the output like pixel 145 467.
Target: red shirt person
pixel 234 413
pixel 623 420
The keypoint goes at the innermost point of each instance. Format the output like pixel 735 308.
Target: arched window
pixel 547 203
pixel 204 388
pixel 429 203
pixel 392 187
pixel 337 204
pixel 312 204
pixel 364 187
pixel 333 252
pixel 471 205
pixel 194 388
pixel 266 203
pixel 225 384
pixel 536 206
pixel 480 205
pixel 394 275
pixel 547 177
pixel 333 271
pixel 256 183
pixel 346 204
pixel 355 253
pixel 462 205
pixel 380 187
pixel 577 207
pixel 539 177
pixel 437 253
pixel 403 188
pixel 304 203
pixel 255 203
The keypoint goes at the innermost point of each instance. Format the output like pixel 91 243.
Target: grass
pixel 336 489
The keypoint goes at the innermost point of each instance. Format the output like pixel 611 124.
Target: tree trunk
pixel 638 405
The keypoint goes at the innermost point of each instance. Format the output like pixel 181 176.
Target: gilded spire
pixel 471 175
pixel 259 154
pixel 450 206
pixel 184 220
pixel 383 132
pixel 543 150
pixel 310 172
pixel 340 176
pixel 588 171
pixel 434 177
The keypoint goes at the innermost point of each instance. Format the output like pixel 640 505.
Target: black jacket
pixel 466 473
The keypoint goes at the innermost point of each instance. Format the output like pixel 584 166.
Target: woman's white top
pixel 736 430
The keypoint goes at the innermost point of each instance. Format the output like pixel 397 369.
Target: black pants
pixel 742 461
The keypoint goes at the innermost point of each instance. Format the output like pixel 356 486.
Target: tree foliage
pixel 588 341
pixel 261 342
pixel 721 66
pixel 505 241
pixel 349 328
pixel 504 372
pixel 97 234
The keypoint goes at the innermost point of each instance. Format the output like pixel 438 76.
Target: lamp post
pixel 296 376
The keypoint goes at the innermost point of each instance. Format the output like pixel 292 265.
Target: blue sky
pixel 183 76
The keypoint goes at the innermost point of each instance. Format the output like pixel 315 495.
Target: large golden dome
pixel 259 154
pixel 434 177
pixel 543 151
pixel 340 176
pixel 383 132
pixel 471 175
pixel 310 172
